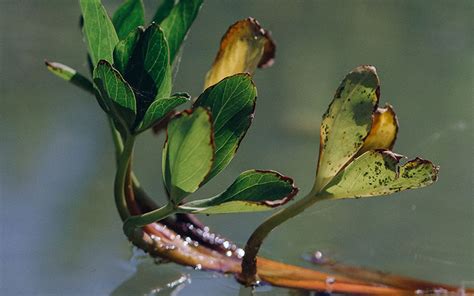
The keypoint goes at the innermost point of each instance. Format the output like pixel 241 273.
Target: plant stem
pixel 120 177
pixel 249 262
pixel 117 138
pixel 141 220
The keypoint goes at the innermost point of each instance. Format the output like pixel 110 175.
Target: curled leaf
pixel 252 191
pixel 347 122
pixel 244 47
pixel 379 173
pixel 188 153
pixel 383 132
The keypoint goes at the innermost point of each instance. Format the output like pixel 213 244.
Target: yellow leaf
pixel 244 47
pixel 383 132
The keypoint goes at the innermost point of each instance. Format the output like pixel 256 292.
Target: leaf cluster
pixel 132 65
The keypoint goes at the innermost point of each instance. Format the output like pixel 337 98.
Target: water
pixel 60 233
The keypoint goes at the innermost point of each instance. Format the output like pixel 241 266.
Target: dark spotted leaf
pixel 347 122
pixel 378 173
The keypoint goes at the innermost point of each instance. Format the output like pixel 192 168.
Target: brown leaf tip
pixel 250 23
pixel 269 49
pixel 294 190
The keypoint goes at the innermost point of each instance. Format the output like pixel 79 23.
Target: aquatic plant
pixel 131 66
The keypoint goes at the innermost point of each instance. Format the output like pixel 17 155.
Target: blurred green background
pixel 61 235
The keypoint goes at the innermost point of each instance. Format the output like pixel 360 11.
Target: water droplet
pixel 170 247
pixel 318 255
pixel 240 253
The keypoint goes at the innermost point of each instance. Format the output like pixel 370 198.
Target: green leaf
pixel 378 173
pixel 69 74
pixel 124 50
pixel 163 10
pixel 232 104
pixel 117 93
pixel 148 70
pixel 188 153
pixel 176 25
pixel 347 122
pixel 99 31
pixel 252 191
pixel 128 17
pixel 160 108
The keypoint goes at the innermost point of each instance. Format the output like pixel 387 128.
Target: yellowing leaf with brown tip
pixel 244 47
pixel 383 132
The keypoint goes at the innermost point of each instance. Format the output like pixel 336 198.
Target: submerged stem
pixel 249 262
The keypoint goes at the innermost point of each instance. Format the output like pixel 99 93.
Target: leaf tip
pixel 279 202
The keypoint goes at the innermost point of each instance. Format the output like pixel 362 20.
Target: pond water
pixel 61 235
